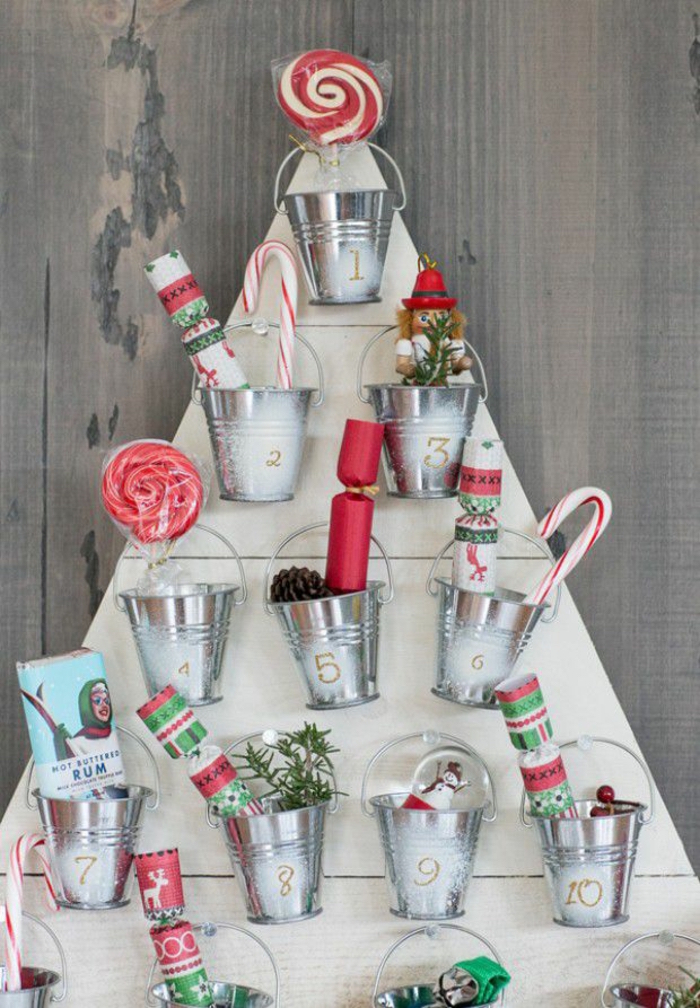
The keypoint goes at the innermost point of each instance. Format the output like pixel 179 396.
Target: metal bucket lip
pixel 213 588
pixel 268 389
pixel 385 801
pixel 504 596
pixel 281 813
pixel 372 586
pixel 411 993
pixel 635 813
pixel 136 791
pixel 51 978
pixel 222 999
pixel 435 389
pixel 618 991
pixel 341 192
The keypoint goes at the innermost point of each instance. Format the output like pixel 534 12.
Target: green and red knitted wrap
pixel 179 293
pixel 181 963
pixel 216 779
pixel 546 783
pixel 172 721
pixel 525 712
pixel 481 476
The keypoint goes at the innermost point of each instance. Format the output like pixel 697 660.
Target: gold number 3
pixel 578 888
pixel 437 446
pixel 275 458
pixel 285 874
pixel 330 663
pixel 92 858
pixel 430 868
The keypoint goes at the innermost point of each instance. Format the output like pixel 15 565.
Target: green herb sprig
pixel 297 768
pixel 435 368
pixel 687 997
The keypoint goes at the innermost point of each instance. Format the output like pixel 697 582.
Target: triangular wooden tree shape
pixel 333 957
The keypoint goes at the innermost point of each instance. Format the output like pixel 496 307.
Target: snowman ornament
pixel 440 794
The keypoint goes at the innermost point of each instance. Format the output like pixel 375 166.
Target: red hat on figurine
pixel 429 289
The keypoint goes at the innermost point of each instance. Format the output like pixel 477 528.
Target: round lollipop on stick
pixel 591 533
pixel 288 304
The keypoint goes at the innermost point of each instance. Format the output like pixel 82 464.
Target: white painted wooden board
pixel 262 691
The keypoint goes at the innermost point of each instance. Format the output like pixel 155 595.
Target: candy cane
pixel 288 307
pixel 14 899
pixel 581 545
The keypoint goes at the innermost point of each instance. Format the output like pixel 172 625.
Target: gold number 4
pixel 430 869
pixel 275 458
pixel 328 662
pixel 92 858
pixel 356 274
pixel 285 874
pixel 577 890
pixel 437 453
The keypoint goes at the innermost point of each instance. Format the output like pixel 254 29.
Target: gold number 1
pixel 356 274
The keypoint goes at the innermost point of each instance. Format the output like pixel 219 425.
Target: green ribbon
pixel 490 976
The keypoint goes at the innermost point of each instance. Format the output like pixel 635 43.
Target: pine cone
pixel 298 584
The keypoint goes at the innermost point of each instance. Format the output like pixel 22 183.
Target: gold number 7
pixel 92 858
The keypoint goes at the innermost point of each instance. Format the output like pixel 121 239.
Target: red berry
pixel 597 811
pixel 605 794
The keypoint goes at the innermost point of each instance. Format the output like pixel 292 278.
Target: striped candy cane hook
pixel 583 542
pixel 19 853
pixel 288 305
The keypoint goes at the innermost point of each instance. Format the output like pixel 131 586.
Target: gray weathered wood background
pixel 550 152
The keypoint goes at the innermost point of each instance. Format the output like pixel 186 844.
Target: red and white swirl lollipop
pixel 602 514
pixel 152 490
pixel 333 96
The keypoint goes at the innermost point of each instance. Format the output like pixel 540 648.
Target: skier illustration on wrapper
pixel 95 712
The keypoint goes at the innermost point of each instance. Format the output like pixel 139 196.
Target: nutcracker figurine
pixel 430 344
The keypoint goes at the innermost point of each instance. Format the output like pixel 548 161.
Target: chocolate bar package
pixel 69 715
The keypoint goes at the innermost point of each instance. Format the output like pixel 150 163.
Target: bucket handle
pixel 537 543
pixel 584 743
pixel 432 931
pixel 666 938
pixel 54 938
pixel 310 528
pixel 359 388
pixel 151 805
pixel 202 528
pixel 431 738
pixel 279 204
pixel 215 821
pixel 196 389
pixel 210 929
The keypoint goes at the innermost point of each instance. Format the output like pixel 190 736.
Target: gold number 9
pixel 429 868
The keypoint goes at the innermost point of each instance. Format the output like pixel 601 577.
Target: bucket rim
pixel 256 388
pixel 457 387
pixel 52 979
pixel 215 588
pixel 340 192
pixel 403 991
pixel 637 810
pixel 500 595
pixel 617 991
pixel 135 791
pixel 162 986
pixel 281 812
pixel 372 586
pixel 376 801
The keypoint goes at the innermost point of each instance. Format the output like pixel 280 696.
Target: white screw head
pixel 270 736
pixel 431 737
pixel 585 743
pixel 260 326
pixel 666 937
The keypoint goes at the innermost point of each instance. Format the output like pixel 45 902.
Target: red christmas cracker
pixel 160 884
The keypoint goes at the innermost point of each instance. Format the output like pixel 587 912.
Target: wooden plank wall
pixel 550 152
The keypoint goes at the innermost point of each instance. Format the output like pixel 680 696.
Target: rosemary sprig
pixel 434 369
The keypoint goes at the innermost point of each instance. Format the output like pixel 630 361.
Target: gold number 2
pixel 577 890
pixel 437 446
pixel 92 858
pixel 430 869
pixel 285 874
pixel 356 274
pixel 329 663
pixel 275 458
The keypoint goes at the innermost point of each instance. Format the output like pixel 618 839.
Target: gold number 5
pixel 330 663
pixel 438 452
pixel 92 858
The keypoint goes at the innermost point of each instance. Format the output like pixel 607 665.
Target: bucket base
pixel 204 702
pixel 422 494
pixel 622 919
pixel 343 703
pixel 491 704
pixel 112 905
pixel 435 917
pixel 371 299
pixel 256 498
pixel 286 920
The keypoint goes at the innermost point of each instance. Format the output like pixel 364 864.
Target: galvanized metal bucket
pixel 226 995
pixel 37 983
pixel 627 995
pixel 481 637
pixel 91 844
pixel 425 428
pixel 429 855
pixel 342 237
pixel 181 636
pixel 257 434
pixel 420 995
pixel 335 641
pixel 589 862
pixel 276 857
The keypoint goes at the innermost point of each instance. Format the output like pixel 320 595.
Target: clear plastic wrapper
pixel 154 493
